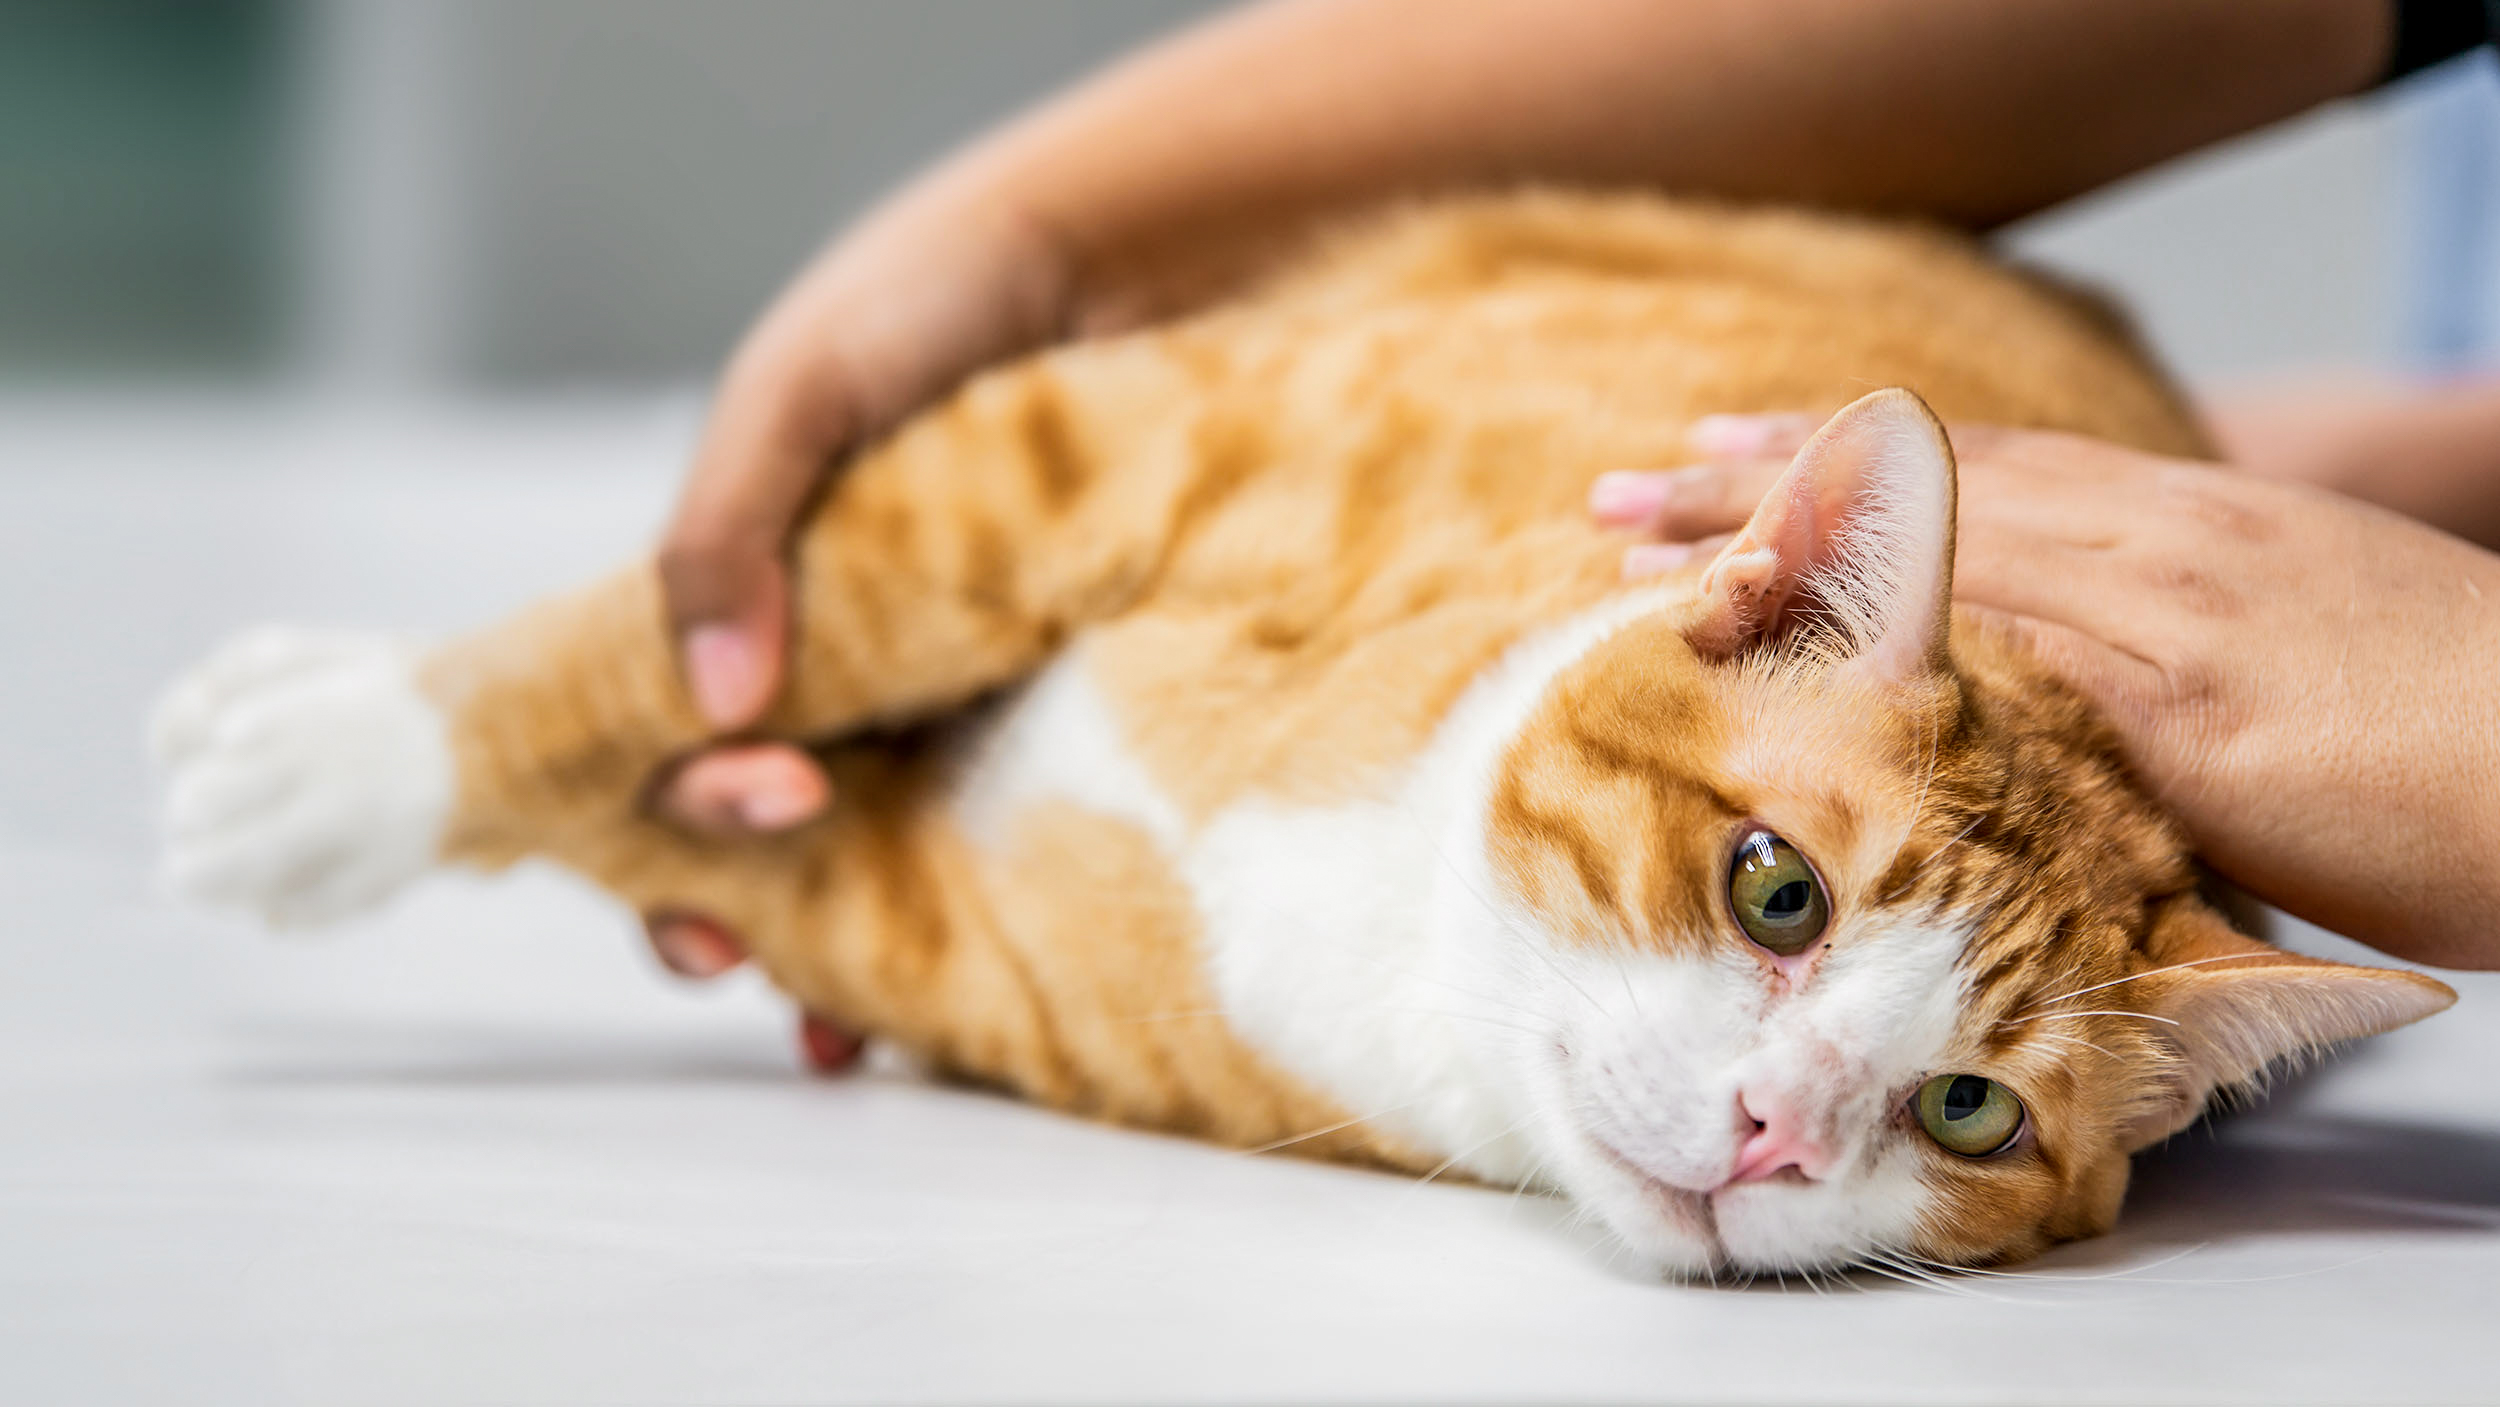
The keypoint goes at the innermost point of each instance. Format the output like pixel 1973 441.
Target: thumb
pixel 776 429
pixel 729 611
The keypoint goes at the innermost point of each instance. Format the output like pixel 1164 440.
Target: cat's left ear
pixel 1854 545
pixel 2229 1006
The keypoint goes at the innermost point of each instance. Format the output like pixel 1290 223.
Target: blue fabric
pixel 2452 294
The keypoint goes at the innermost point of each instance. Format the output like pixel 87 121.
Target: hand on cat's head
pixel 1847 935
pixel 2300 678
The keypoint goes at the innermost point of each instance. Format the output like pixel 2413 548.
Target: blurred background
pixel 510 196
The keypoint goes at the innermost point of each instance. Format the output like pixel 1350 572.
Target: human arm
pixel 2429 449
pixel 1170 174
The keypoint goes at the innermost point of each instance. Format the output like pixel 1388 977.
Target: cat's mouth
pixel 1682 1208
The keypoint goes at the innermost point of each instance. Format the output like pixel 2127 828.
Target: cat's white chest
pixel 1322 940
pixel 1314 921
pixel 1330 933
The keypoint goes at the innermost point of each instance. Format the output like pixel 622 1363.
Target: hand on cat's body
pixel 2307 681
pixel 1168 173
pixel 836 360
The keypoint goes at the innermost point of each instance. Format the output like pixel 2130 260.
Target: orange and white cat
pixel 1236 729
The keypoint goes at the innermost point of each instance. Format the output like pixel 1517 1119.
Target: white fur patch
pixel 1327 929
pixel 306 775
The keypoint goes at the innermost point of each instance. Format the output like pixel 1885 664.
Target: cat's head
pixel 1837 931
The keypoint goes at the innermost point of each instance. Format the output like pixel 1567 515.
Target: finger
pixel 733 663
pixel 781 421
pixel 828 1048
pixel 2121 684
pixel 693 945
pixel 1774 436
pixel 1983 441
pixel 1683 504
pixel 750 787
pixel 1657 558
pixel 2083 568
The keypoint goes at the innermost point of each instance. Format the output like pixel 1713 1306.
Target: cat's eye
pixel 1775 895
pixel 1969 1114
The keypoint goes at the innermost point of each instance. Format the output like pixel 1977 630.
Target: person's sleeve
pixel 2434 31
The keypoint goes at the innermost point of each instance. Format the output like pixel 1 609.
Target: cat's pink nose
pixel 1779 1141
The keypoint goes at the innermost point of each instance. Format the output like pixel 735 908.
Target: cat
pixel 1236 729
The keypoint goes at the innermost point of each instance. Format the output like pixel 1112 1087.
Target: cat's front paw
pixel 307 776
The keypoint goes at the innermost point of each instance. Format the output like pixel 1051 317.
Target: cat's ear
pixel 1853 545
pixel 2234 1006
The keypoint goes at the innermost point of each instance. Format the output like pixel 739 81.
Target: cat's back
pixel 1379 465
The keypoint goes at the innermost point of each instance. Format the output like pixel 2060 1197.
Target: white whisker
pixel 2072 1015
pixel 1326 1130
pixel 1452 1161
pixel 2064 1039
pixel 2138 976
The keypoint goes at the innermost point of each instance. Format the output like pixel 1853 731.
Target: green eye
pixel 1778 901
pixel 1969 1115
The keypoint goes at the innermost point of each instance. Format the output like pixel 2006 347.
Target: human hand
pixel 2310 683
pixel 942 282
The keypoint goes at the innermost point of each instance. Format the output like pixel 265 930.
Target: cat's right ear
pixel 1852 549
pixel 2227 1007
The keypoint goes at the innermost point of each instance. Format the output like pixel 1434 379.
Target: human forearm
pixel 1166 177
pixel 1969 111
pixel 2429 450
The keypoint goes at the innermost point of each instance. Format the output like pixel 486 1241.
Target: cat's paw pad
pixel 307 776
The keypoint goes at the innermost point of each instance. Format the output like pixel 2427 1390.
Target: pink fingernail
pixel 1627 496
pixel 828 1048
pixel 694 950
pixel 773 809
pixel 1731 436
pixel 1651 558
pixel 724 674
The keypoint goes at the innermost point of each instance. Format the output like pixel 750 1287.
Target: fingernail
pixel 775 809
pixel 1627 496
pixel 693 949
pixel 1651 558
pixel 827 1047
pixel 1731 436
pixel 724 673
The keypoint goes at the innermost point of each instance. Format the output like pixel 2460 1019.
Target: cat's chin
pixel 1670 1230
pixel 1661 1236
pixel 1779 1226
pixel 1677 1235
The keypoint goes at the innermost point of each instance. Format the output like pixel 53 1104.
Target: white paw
pixel 306 775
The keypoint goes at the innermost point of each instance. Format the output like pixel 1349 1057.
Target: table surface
pixel 475 1148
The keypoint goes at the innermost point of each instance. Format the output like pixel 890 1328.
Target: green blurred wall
pixel 142 208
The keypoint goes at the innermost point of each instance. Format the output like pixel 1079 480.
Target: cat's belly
pixel 1312 921
pixel 1318 926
